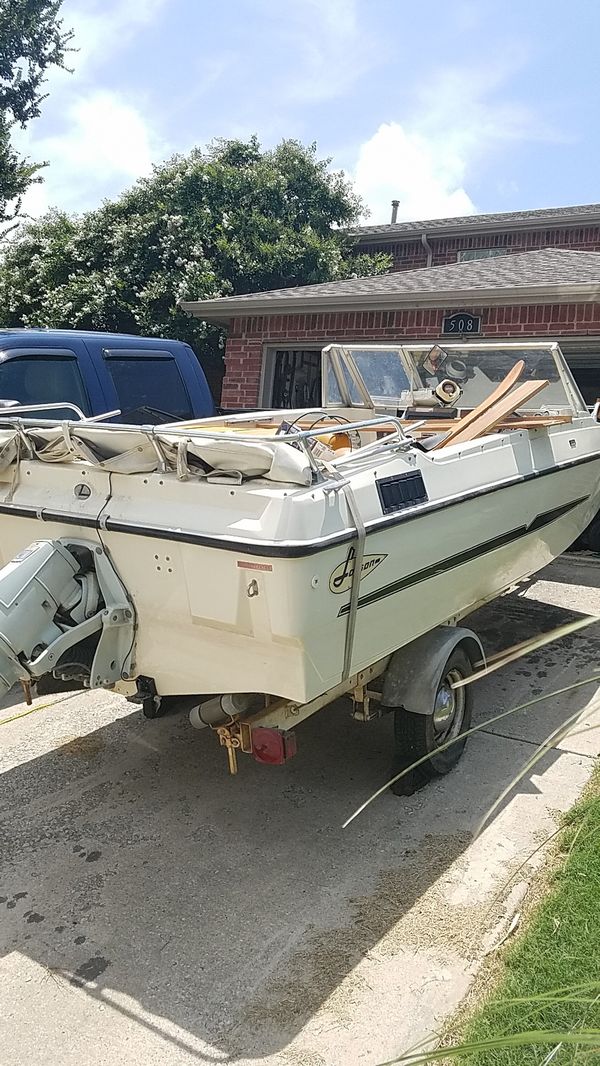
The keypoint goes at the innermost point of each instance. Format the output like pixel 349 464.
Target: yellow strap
pixel 42 707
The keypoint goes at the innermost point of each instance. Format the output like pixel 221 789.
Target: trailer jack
pixel 241 724
pixel 237 736
pixel 266 745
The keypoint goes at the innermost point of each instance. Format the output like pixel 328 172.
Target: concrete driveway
pixel 155 911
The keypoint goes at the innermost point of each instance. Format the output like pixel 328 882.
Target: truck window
pixel 149 387
pixel 44 379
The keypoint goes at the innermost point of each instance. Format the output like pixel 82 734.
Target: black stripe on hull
pixel 277 549
pixel 69 518
pixel 467 556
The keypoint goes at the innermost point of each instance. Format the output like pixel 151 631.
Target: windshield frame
pixel 338 354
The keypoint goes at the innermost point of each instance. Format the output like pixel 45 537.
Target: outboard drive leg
pixel 59 595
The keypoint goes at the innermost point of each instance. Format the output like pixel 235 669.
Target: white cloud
pixel 471 110
pixel 462 120
pixel 100 142
pixel 324 45
pixel 102 26
pixel 105 146
pixel 395 164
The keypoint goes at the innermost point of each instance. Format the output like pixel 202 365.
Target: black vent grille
pixel 400 491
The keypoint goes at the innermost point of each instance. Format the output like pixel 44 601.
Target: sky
pixel 451 107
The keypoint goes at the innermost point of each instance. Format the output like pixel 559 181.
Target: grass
pixel 545 1010
pixel 558 957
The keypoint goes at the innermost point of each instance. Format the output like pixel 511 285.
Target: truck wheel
pixel 417 735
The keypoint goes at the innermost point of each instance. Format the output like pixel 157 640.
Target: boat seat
pixel 487 420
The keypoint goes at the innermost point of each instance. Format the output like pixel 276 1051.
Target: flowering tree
pixel 229 220
pixel 31 40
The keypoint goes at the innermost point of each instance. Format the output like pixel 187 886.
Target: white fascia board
pixel 230 307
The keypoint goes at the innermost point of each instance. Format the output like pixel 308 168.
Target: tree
pixel 230 220
pixel 32 40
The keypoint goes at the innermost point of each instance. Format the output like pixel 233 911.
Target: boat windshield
pixel 381 376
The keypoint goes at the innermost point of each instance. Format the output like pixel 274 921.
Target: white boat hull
pixel 241 614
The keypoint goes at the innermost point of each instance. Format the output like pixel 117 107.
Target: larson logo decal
pixel 340 579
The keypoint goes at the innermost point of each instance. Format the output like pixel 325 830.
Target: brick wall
pixel 408 255
pixel 247 337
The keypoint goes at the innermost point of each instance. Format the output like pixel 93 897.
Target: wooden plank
pixel 532 422
pixel 498 413
pixel 437 425
pixel 535 422
pixel 499 393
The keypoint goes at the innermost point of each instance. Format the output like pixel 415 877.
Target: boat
pixel 285 557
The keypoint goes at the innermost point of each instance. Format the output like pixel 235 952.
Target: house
pixel 274 338
pixel 459 240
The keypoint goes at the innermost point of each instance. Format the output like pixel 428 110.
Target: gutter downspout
pixel 427 248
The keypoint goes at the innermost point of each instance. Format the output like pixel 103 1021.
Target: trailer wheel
pixel 417 735
pixel 592 535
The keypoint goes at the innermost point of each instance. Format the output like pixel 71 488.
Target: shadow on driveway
pixel 234 907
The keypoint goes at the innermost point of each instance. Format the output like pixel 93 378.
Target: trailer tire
pixel 592 536
pixel 418 735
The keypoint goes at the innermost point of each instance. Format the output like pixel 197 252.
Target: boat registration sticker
pixel 340 579
pixel 243 565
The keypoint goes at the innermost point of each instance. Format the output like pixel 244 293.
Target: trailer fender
pixel 413 675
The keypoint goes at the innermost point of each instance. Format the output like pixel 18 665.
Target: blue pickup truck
pixel 149 380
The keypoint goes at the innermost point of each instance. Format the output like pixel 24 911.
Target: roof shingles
pixel 538 219
pixel 552 266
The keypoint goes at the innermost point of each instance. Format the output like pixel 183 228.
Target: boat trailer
pixel 414 681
